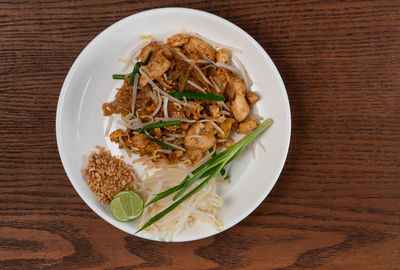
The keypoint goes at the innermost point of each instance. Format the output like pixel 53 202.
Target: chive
pixel 160 142
pixel 134 72
pixel 137 66
pixel 196 95
pixel 186 86
pixel 119 76
pixel 147 59
pixel 159 125
pixel 208 169
pixel 223 171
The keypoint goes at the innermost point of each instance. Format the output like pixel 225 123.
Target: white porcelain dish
pixel 80 124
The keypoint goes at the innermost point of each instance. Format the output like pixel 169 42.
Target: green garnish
pixel 159 125
pixel 136 69
pixel 207 170
pixel 160 142
pixel 223 171
pixel 196 95
pixel 184 80
pixel 120 76
pixel 146 61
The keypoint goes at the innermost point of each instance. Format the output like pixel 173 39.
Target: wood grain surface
pixel 336 204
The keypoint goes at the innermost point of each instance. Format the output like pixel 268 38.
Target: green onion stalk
pixel 203 173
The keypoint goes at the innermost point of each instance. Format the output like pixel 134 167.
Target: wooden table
pixel 336 204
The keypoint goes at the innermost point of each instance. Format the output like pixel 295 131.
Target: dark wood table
pixel 336 204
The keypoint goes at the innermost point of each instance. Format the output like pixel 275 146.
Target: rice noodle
pixel 165 151
pixel 187 171
pixel 223 104
pixel 162 91
pixel 158 105
pixel 201 61
pixel 174 119
pixel 184 57
pixel 217 128
pixel 169 139
pixel 165 107
pixel 196 86
pixel 134 91
pixel 228 67
pixel 134 51
pixel 174 135
pixel 214 43
pixel 121 141
pixel 126 62
pixel 138 116
pixel 107 131
pixel 253 152
pixel 215 85
pixel 255 117
pixel 196 136
pixel 262 146
pixel 208 66
pixel 243 71
pixel 220 131
pixel 176 146
pixel 203 76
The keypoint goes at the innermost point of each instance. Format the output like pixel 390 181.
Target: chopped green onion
pixel 159 125
pixel 137 66
pixel 207 170
pixel 146 61
pixel 135 70
pixel 119 76
pixel 163 144
pixel 196 95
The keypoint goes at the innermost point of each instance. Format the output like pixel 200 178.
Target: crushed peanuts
pixel 107 175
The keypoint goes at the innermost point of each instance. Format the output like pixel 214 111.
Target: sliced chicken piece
pixel 223 56
pixel 178 40
pixel 235 86
pixel 247 126
pixel 200 48
pixel 252 97
pixel 240 107
pixel 200 136
pixel 157 66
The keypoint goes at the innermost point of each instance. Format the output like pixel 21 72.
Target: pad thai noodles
pixel 191 85
pixel 178 112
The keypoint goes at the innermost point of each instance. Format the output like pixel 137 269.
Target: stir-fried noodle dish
pixel 180 105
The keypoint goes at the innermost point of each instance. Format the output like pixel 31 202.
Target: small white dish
pixel 89 83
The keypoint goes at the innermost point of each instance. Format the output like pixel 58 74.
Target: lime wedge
pixel 126 205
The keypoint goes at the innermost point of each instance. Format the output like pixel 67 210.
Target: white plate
pixel 79 123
